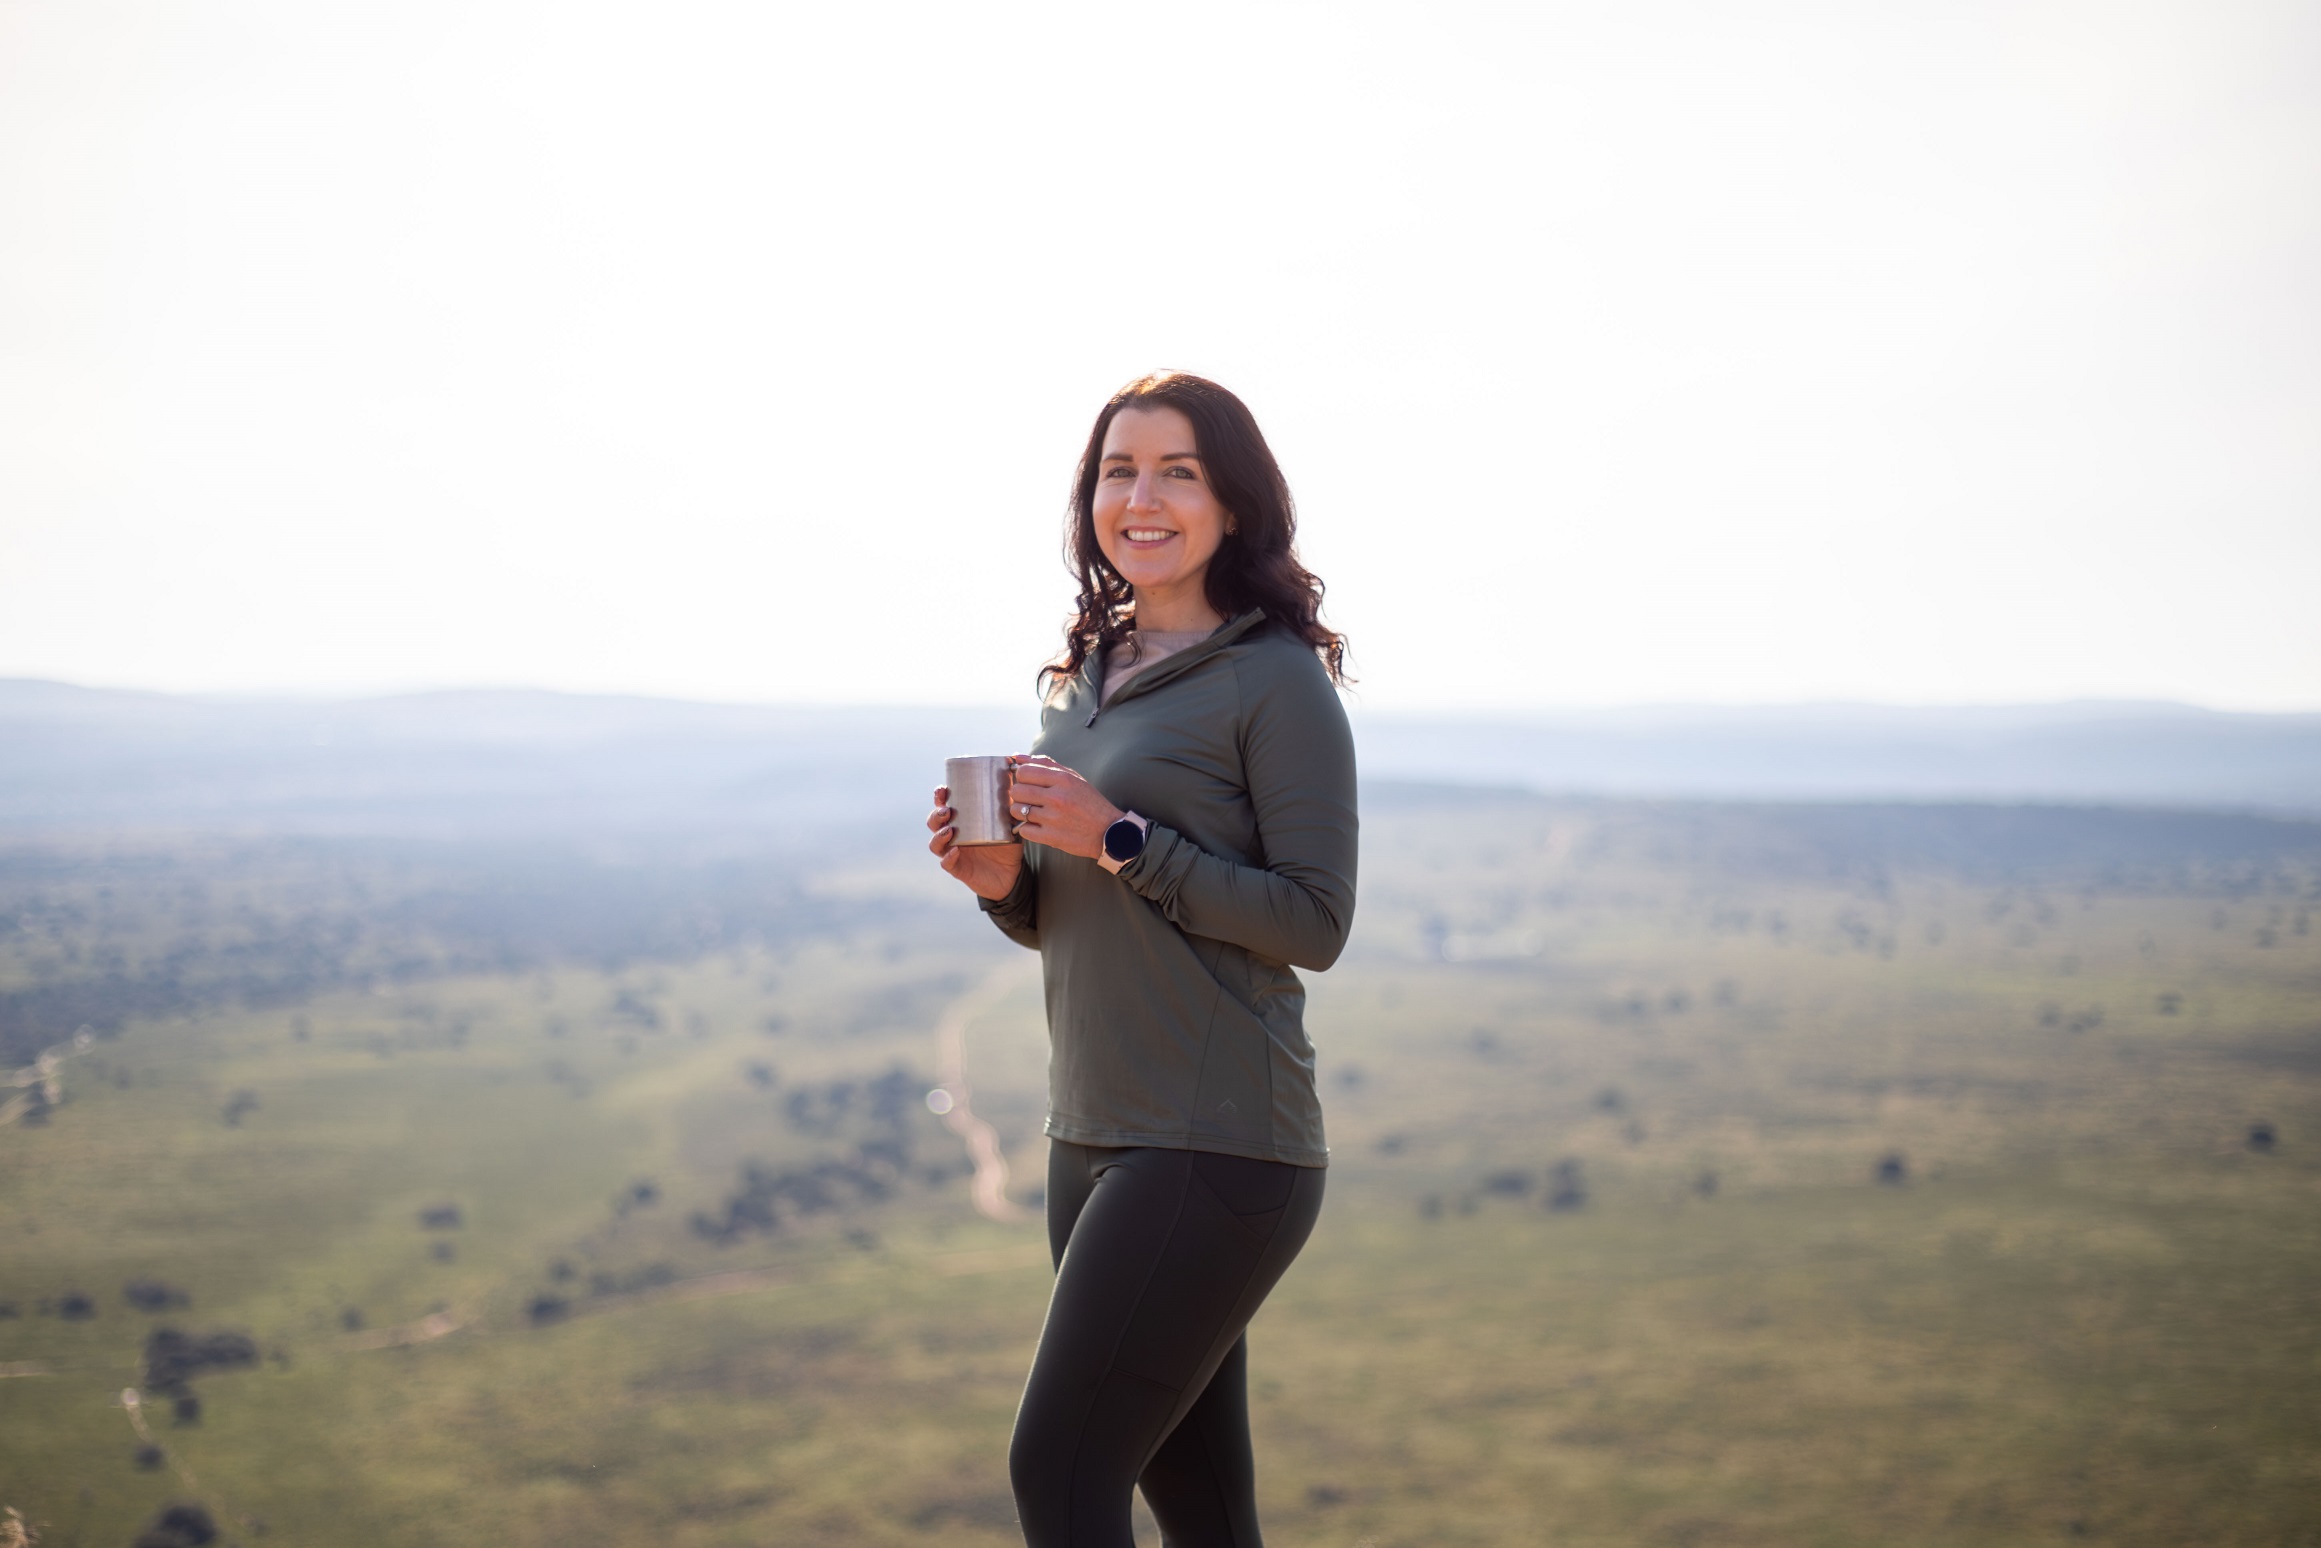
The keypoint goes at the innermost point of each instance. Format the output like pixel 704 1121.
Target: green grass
pixel 2092 1313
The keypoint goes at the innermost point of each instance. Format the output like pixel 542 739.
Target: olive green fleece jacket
pixel 1174 1016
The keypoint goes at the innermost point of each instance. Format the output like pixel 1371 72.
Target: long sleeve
pixel 1018 914
pixel 1298 756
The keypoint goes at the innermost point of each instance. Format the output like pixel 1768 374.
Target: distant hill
pixel 2074 754
pixel 2173 850
pixel 512 764
pixel 519 763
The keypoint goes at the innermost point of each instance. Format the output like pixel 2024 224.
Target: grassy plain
pixel 2083 1304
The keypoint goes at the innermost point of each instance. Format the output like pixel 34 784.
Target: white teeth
pixel 1147 534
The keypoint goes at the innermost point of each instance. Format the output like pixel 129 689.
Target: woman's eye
pixel 1181 472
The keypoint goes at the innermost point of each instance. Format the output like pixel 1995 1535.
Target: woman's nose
pixel 1146 495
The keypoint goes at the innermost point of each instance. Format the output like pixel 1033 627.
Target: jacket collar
pixel 1092 670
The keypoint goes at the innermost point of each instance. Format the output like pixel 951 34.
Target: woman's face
pixel 1157 520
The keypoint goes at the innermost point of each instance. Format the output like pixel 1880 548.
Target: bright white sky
pixel 1928 352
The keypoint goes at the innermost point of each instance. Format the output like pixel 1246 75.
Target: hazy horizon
pixel 478 760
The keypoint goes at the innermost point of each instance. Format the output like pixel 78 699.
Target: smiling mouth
pixel 1146 534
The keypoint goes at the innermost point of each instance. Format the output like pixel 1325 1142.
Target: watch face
pixel 1124 840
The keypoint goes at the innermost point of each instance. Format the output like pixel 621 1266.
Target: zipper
pixel 1168 669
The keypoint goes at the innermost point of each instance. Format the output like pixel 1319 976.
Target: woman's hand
pixel 1056 807
pixel 989 870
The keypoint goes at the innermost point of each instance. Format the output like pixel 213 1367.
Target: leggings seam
pixel 1216 1487
pixel 1112 1359
pixel 1255 1269
pixel 1258 1266
pixel 1213 1474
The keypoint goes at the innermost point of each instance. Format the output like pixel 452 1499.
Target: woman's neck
pixel 1179 610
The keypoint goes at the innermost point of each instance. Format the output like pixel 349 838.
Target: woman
pixel 1189 817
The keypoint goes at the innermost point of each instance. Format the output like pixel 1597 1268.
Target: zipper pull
pixel 1091 720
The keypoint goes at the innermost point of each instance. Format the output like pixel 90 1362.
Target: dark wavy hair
pixel 1255 566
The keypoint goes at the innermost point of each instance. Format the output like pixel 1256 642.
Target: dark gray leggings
pixel 1142 1375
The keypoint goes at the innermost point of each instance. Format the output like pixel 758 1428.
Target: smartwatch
pixel 1123 842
